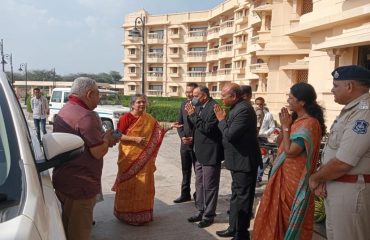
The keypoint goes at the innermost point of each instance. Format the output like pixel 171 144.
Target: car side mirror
pixel 59 148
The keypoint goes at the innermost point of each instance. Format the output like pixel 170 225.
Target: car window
pixel 56 97
pixel 11 167
pixel 109 98
pixel 66 95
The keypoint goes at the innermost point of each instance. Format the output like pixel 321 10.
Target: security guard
pixel 344 177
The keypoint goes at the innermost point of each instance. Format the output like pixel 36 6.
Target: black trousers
pixel 187 164
pixel 241 203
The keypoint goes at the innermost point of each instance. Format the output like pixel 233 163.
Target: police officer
pixel 344 177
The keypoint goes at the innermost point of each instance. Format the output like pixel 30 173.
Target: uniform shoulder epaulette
pixel 363 105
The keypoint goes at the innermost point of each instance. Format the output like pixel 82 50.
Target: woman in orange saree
pixel 140 142
pixel 287 206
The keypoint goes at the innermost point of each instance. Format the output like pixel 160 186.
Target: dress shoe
pixel 195 218
pixel 226 233
pixel 182 199
pixel 205 223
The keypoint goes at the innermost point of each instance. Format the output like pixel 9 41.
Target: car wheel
pixel 107 125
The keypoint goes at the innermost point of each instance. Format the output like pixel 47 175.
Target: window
pixel 156 50
pixel 364 56
pixel 132 51
pixel 174 50
pixel 214 88
pixel 198 49
pixel 198 29
pixel 175 31
pixel 56 97
pixel 155 87
pixel 132 69
pixel 197 69
pixel 132 87
pixel 173 89
pixel 173 69
pixel 156 69
pixel 228 65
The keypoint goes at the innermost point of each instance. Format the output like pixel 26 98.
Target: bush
pixel 28 101
pixel 164 109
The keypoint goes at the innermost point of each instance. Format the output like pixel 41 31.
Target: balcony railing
pixel 155 55
pixel 155 35
pixel 154 76
pixel 227 27
pixel 212 33
pixel 224 71
pixel 259 68
pixel 196 74
pixel 197 56
pixel 154 92
pixel 225 51
pixel 196 36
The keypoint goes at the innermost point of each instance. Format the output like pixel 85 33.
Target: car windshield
pixel 11 173
pixel 109 98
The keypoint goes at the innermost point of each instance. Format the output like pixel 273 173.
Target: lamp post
pixel 53 70
pixel 3 62
pixel 136 33
pixel 23 66
pixel 10 57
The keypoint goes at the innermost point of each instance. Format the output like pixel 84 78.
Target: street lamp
pixel 136 33
pixel 23 66
pixel 53 70
pixel 3 62
pixel 10 57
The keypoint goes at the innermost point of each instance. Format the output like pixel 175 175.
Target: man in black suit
pixel 209 153
pixel 239 138
pixel 186 149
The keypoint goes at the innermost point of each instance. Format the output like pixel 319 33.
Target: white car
pixel 29 208
pixel 109 108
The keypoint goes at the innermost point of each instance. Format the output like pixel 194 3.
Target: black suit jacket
pixel 239 138
pixel 207 137
pixel 187 130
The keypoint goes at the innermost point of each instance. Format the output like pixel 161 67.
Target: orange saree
pixel 287 206
pixel 134 184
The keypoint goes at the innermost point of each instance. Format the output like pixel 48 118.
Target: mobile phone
pixel 117 133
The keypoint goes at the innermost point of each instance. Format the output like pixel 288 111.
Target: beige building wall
pixel 268 44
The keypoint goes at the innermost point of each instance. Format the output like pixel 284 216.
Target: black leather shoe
pixel 195 218
pixel 182 199
pixel 225 233
pixel 205 223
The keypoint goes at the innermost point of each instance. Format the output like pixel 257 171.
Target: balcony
pixel 264 36
pixel 132 74
pixel 239 70
pixel 174 55
pixel 154 76
pixel 240 45
pixel 195 76
pixel 155 38
pixel 133 56
pixel 225 51
pixel 196 36
pixel 224 74
pixel 155 57
pixel 212 33
pixel 259 68
pixel 212 55
pixel 226 27
pixel 241 20
pixel 215 94
pixel 174 35
pixel 254 46
pixel 174 75
pixel 197 56
pixel 211 76
pixel 157 93
pixel 255 19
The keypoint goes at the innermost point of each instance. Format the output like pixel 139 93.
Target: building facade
pixel 268 44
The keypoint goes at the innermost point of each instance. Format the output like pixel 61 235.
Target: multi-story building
pixel 268 44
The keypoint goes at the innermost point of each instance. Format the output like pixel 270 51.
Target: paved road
pixel 169 219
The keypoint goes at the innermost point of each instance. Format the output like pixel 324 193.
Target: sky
pixel 75 36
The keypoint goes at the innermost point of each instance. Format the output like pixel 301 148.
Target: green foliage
pixel 319 214
pixel 164 109
pixel 29 109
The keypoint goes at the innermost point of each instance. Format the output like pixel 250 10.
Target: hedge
pixel 164 109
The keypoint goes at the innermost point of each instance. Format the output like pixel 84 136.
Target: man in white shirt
pixel 40 109
pixel 266 126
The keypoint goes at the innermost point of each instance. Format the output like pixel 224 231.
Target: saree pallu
pixel 287 206
pixel 134 185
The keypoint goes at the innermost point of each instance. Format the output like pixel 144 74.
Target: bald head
pixel 231 93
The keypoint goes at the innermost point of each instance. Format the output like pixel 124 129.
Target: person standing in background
pixel 186 133
pixel 40 110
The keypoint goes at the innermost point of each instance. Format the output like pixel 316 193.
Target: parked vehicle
pixel 109 109
pixel 29 208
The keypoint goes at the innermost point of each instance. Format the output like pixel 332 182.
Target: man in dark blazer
pixel 239 138
pixel 186 149
pixel 209 153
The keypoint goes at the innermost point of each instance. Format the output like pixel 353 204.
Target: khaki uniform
pixel 348 204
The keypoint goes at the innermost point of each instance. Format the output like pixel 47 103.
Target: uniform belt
pixel 352 178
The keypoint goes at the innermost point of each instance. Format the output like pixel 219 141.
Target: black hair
pixel 306 93
pixel 205 90
pixel 192 84
pixel 246 90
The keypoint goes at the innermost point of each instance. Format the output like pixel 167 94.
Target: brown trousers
pixel 77 216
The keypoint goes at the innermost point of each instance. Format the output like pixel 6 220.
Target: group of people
pixel 210 135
